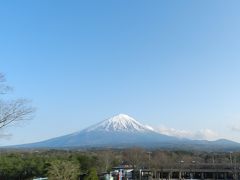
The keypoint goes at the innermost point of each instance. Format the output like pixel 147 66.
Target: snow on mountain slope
pixel 124 131
pixel 119 123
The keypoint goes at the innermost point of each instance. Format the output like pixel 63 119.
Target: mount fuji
pixel 123 131
pixel 120 123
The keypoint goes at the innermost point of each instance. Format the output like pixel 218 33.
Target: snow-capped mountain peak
pixel 119 123
pixel 123 131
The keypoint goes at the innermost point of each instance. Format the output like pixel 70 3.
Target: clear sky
pixel 171 64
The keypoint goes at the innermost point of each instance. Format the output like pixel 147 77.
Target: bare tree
pixel 12 110
pixel 160 160
pixel 106 157
pixel 136 157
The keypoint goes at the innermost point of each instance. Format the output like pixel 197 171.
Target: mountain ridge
pixel 124 131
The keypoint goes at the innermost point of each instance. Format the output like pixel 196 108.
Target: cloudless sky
pixel 172 63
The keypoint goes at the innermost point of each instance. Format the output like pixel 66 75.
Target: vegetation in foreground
pixel 70 165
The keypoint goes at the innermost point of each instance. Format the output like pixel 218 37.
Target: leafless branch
pixel 13 111
pixel 3 87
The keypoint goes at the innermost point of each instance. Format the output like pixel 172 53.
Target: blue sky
pixel 170 64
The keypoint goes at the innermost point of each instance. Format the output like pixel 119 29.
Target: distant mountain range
pixel 123 131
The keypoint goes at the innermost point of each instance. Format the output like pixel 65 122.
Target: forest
pixel 90 164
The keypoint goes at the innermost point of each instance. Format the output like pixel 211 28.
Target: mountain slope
pixel 120 130
pixel 124 131
pixel 119 123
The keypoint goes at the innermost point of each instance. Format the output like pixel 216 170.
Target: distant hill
pixel 123 131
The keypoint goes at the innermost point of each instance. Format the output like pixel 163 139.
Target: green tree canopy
pixel 92 175
pixel 63 170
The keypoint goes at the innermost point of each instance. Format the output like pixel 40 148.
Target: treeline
pixel 71 165
pixel 55 164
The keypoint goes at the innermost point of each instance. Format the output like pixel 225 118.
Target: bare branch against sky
pixel 13 110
